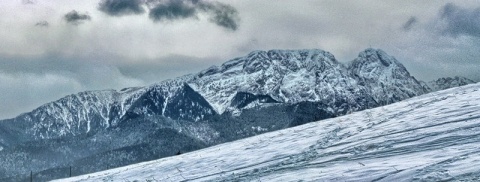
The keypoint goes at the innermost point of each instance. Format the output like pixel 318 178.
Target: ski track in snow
pixel 431 137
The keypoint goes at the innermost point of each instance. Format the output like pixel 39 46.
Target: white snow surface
pixel 433 137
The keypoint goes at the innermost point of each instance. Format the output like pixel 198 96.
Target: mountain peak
pixel 302 55
pixel 385 76
pixel 373 56
pixel 375 64
pixel 290 59
pixel 288 51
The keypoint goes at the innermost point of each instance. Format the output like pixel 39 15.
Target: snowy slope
pixel 431 137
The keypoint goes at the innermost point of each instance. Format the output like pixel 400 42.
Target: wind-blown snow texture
pixel 432 137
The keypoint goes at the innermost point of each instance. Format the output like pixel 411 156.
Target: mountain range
pixel 448 82
pixel 432 137
pixel 246 96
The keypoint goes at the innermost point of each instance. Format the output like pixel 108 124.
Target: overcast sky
pixel 52 48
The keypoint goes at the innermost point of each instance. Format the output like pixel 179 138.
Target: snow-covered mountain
pixel 285 76
pixel 433 137
pixel 93 111
pixel 174 99
pixel 448 82
pixel 293 76
pixel 260 78
pixel 80 113
pixel 246 96
pixel 386 79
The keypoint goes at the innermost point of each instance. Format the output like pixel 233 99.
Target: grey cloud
pixel 26 83
pixel 39 65
pixel 267 25
pixel 76 17
pixel 248 46
pixel 170 66
pixel 221 14
pixel 121 7
pixel 460 21
pixel 172 10
pixel 410 23
pixel 42 24
pixel 28 2
pixel 25 91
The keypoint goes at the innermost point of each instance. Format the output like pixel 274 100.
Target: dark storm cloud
pixel 460 21
pixel 221 14
pixel 121 7
pixel 76 18
pixel 410 23
pixel 42 24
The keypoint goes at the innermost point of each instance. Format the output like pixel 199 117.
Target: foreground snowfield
pixel 431 137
